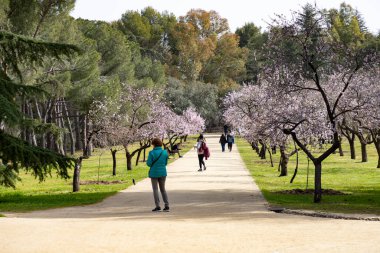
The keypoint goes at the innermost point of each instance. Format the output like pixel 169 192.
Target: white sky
pixel 237 12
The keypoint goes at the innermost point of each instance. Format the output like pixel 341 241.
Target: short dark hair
pixel 157 142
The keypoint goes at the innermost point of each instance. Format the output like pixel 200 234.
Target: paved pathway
pixel 218 210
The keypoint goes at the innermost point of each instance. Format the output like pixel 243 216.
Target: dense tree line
pixel 68 84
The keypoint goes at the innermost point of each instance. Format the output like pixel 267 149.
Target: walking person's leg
pixel 155 194
pixel 223 146
pixel 161 183
pixel 203 162
pixel 200 159
pixel 229 146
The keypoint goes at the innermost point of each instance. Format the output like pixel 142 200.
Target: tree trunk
pixel 284 160
pixel 144 155
pixel 297 162
pixel 33 138
pixel 377 145
pixel 62 135
pixel 84 135
pixel 138 157
pixel 352 148
pixel 262 151
pixel 340 147
pixel 78 137
pixel 318 182
pixel 270 157
pixel 40 141
pixel 71 132
pixel 76 178
pixel 129 161
pixel 255 147
pixel 89 142
pixel 363 146
pixel 274 149
pixel 128 156
pixel 113 152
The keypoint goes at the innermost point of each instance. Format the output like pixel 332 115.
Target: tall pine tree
pixel 14 152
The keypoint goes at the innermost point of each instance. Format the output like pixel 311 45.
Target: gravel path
pixel 217 210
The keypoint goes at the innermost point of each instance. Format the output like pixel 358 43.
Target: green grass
pixel 361 181
pixel 55 192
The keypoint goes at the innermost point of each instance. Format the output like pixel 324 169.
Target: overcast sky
pixel 237 12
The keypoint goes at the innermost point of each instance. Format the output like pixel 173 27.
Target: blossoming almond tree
pixel 303 58
pixel 174 126
pixel 365 123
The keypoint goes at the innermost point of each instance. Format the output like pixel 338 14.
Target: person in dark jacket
pixel 230 141
pixel 223 142
pixel 157 161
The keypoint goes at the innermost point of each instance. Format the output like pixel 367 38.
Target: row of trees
pixel 110 88
pixel 57 99
pixel 319 81
pixel 137 115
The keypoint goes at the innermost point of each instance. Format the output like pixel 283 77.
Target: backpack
pixel 206 152
pixel 201 146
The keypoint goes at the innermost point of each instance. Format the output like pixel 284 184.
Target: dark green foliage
pixel 8 176
pixel 151 30
pixel 16 49
pixel 28 16
pixel 16 153
pixel 203 97
pixel 112 45
pixel 251 37
pixel 9 111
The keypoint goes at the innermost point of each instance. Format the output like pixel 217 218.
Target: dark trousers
pixel 230 146
pixel 200 158
pixel 160 181
pixel 223 146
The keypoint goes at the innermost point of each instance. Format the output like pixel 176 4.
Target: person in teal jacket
pixel 157 161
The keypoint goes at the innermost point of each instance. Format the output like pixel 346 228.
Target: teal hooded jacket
pixel 159 167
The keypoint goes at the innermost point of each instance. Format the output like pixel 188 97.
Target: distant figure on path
pixel 225 128
pixel 157 161
pixel 223 142
pixel 201 144
pixel 230 141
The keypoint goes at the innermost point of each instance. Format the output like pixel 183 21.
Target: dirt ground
pixel 217 210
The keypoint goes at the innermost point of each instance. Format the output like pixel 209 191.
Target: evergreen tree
pixel 14 152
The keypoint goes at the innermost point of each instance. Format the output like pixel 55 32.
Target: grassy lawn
pixel 360 181
pixel 54 192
